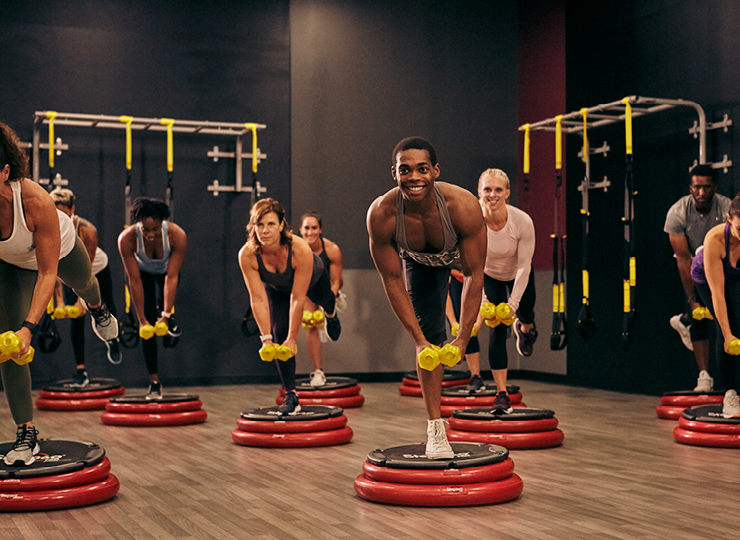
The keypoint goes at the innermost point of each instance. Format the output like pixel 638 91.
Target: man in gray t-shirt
pixel 687 222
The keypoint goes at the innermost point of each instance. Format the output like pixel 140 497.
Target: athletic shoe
pixel 437 445
pixel 318 378
pixel 289 404
pixel 333 327
pixel 704 383
pixel 104 323
pixel 25 447
pixel 155 391
pixel 501 404
pixel 475 385
pixel 683 331
pixel 341 302
pixel 524 340
pixel 80 379
pixel 730 407
pixel 114 351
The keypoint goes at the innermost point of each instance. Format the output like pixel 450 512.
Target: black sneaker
pixel 475 385
pixel 114 351
pixel 155 391
pixel 501 404
pixel 333 327
pixel 80 379
pixel 289 404
pixel 524 340
pixel 25 448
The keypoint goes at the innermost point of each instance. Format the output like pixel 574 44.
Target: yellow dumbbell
pixel 307 320
pixel 269 352
pixel 701 312
pixel 495 315
pixel 148 331
pixel 10 343
pixel 431 357
pixel 318 318
pixel 734 347
pixel 59 312
pixel 456 328
pixel 505 314
pixel 72 311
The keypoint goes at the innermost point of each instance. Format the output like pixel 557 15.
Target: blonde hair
pixel 63 196
pixel 495 173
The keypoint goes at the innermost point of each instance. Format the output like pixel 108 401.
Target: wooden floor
pixel 619 474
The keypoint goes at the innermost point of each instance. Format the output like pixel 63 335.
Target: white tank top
pixel 19 249
pixel 101 257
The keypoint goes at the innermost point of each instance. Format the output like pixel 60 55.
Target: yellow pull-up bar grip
pixel 169 122
pixel 584 113
pixel 526 148
pixel 559 142
pixel 585 286
pixel 128 120
pixel 253 128
pixel 628 123
pixel 51 115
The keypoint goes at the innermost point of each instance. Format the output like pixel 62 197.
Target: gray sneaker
pixel 155 391
pixel 25 448
pixel 437 445
pixel 104 323
pixel 731 405
pixel 80 379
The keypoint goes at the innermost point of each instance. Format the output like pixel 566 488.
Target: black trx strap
pixel 629 268
pixel 129 325
pixel 169 196
pixel 586 326
pixel 255 160
pixel 51 115
pixel 559 335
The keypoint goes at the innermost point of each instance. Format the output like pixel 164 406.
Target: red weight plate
pixel 439 495
pixel 293 440
pixel 511 441
pixel 699 438
pixel 83 395
pixel 708 427
pixel 478 401
pixel 690 401
pixel 321 394
pixel 669 412
pixel 447 410
pixel 344 402
pixel 504 426
pixel 146 420
pixel 465 475
pixel 154 407
pixel 71 404
pixel 409 390
pixel 293 426
pixel 54 499
pixel 445 384
pixel 88 475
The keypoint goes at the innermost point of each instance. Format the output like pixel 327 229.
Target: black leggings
pixel 77 326
pixel 427 287
pixel 319 293
pixel 153 285
pixel 732 300
pixel 456 288
pixel 497 292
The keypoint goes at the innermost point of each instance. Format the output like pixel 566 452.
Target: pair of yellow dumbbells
pixel 456 329
pixel 10 343
pixel 701 312
pixel 497 314
pixel 313 319
pixel 148 331
pixel 269 352
pixel 431 357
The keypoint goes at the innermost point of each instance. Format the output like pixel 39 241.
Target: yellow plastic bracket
pixel 51 115
pixel 169 122
pixel 255 158
pixel 128 120
pixel 526 148
pixel 559 142
pixel 628 123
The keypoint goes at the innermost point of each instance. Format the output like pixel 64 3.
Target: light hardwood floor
pixel 618 475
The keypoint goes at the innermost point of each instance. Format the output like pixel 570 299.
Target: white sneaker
pixel 704 383
pixel 683 331
pixel 731 405
pixel 437 445
pixel 104 323
pixel 318 378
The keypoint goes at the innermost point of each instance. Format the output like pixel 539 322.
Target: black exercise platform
pixel 410 385
pixel 61 396
pixel 65 474
pixel 402 475
pixel 168 410
pixel 705 425
pixel 336 392
pixel 521 429
pixel 313 425
pixel 672 404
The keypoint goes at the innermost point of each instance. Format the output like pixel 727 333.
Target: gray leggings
pixel 16 292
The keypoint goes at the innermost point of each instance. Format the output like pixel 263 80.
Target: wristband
pixel 166 314
pixel 34 328
pixel 266 337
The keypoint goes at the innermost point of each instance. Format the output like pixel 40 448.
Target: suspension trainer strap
pixel 255 159
pixel 558 337
pixel 630 269
pixel 586 326
pixel 51 115
pixel 169 196
pixel 129 154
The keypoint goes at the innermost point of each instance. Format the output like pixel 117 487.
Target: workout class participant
pixel 331 256
pixel 153 251
pixel 64 199
pixel 508 276
pixel 472 352
pixel 418 231
pixel 37 243
pixel 716 274
pixel 687 223
pixel 281 273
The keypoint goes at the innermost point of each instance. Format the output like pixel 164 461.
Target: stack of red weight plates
pixel 336 392
pixel 410 383
pixel 66 474
pixel 672 404
pixel 706 426
pixel 168 410
pixel 457 398
pixel 62 397
pixel 402 475
pixel 313 425
pixel 521 429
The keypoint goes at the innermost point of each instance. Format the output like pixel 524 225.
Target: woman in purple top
pixel 716 274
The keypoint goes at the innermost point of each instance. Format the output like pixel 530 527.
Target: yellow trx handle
pixel 169 122
pixel 584 113
pixel 128 121
pixel 628 123
pixel 633 271
pixel 526 148
pixel 584 276
pixel 626 296
pixel 559 142
pixel 51 115
pixel 253 128
pixel 128 300
pixel 561 287
pixel 555 298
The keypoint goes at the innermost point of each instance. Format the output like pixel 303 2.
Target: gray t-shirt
pixel 683 219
